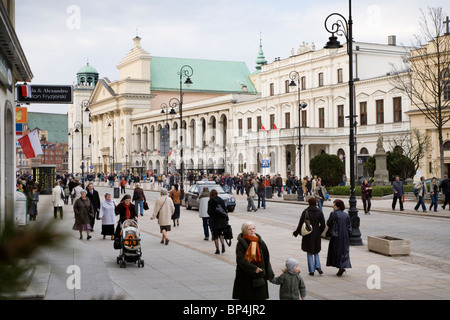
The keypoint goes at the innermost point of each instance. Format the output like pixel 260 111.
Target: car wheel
pixel 231 209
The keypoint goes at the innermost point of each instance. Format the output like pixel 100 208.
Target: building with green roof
pixel 54 124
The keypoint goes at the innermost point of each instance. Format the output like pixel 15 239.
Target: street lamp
pixel 71 134
pixel 80 125
pixel 295 76
pixel 165 134
pixel 185 72
pixel 111 124
pixel 345 27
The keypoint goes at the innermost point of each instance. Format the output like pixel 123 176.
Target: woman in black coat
pixel 125 210
pixel 311 243
pixel 252 270
pixel 218 219
pixel 339 246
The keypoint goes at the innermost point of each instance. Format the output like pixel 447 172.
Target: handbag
pixel 145 205
pixel 306 226
pixel 333 231
pixel 259 281
pixel 228 234
pixel 221 210
pixel 157 215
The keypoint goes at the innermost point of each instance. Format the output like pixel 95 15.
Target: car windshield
pixel 213 187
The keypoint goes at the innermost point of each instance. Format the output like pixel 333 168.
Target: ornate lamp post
pixel 79 125
pixel 294 76
pixel 343 27
pixel 185 72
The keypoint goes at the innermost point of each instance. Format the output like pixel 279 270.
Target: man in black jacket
pixel 445 187
pixel 95 200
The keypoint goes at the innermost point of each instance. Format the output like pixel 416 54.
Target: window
pixel 321 117
pixel 380 111
pixel 340 76
pixel 271 87
pixel 446 82
pixel 321 79
pixel 286 86
pixel 340 112
pixel 272 121
pixel 304 122
pixel 240 127
pixel 397 109
pixel 363 113
pixel 303 82
pixel 258 123
pixel 287 120
pixel 249 124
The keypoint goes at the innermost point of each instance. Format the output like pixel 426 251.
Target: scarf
pixel 253 254
pixel 127 211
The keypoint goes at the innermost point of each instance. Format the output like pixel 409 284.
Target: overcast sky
pixel 59 36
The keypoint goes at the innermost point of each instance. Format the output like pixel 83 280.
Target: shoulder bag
pixel 157 215
pixel 306 226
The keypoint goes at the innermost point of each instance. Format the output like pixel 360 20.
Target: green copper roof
pixel 87 69
pixel 208 75
pixel 260 60
pixel 55 124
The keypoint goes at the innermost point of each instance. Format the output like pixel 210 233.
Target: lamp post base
pixel 300 196
pixel 355 237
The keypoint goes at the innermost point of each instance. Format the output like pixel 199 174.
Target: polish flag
pixel 31 145
pixel 26 90
pixel 274 126
pixel 263 129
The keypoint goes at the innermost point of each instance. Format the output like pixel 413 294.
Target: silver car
pixel 191 196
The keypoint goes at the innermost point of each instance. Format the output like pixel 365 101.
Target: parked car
pixel 191 196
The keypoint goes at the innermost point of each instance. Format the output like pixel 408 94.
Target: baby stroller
pixel 130 244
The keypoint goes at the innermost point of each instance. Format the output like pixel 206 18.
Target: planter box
pixel 389 246
pixel 290 197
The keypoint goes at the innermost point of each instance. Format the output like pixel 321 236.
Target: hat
pixel 291 263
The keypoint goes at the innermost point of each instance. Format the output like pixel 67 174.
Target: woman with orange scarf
pixel 125 210
pixel 253 268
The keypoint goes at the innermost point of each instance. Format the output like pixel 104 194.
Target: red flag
pixel 26 90
pixel 31 145
pixel 274 126
pixel 263 129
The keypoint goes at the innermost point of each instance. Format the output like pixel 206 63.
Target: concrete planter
pixel 388 246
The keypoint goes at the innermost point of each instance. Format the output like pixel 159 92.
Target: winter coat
pixel 365 192
pixel 292 286
pixel 312 242
pixel 107 212
pixel 245 272
pixel 138 194
pixel 203 206
pixel 397 186
pixel 95 199
pixel 218 220
pixel 164 205
pixel 82 209
pixel 121 211
pixel 56 196
pixel 339 247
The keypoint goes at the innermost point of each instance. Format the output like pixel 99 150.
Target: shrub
pixel 328 167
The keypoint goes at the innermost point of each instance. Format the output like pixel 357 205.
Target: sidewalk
pixel 188 269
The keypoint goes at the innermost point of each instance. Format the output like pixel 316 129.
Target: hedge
pixel 376 191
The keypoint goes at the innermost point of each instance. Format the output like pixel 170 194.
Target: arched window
pixel 447 145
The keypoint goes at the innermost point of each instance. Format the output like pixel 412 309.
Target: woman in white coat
pixel 203 211
pixel 163 211
pixel 108 216
pixel 58 200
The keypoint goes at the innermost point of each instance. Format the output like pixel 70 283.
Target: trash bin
pixel 116 193
pixel 268 191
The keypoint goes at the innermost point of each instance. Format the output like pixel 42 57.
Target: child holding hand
pixel 291 284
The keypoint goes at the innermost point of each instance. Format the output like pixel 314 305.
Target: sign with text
pixel 46 94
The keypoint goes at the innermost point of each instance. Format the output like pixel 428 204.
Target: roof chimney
pixel 391 41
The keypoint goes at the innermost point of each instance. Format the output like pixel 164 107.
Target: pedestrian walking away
pixel 58 198
pixel 339 246
pixel 445 188
pixel 311 243
pixel 217 211
pixel 203 212
pixel 434 194
pixel 253 267
pixel 175 195
pixel 320 194
pixel 292 286
pixel 366 196
pixel 163 211
pixel 250 190
pixel 108 216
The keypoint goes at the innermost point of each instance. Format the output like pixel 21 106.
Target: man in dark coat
pixel 397 187
pixel 445 187
pixel 92 194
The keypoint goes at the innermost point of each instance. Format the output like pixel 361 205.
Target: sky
pixel 59 36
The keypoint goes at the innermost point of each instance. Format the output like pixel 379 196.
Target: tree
pixel 427 80
pixel 329 168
